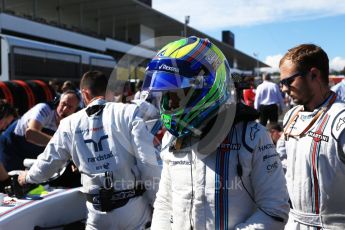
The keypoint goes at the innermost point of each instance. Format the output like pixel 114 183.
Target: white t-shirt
pixel 41 113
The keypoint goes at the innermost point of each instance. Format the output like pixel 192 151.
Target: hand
pixel 74 168
pixel 22 178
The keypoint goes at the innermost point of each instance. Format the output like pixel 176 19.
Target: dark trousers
pixel 268 112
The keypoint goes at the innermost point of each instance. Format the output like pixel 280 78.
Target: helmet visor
pixel 165 81
pixel 173 74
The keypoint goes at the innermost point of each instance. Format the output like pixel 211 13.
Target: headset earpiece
pixel 56 100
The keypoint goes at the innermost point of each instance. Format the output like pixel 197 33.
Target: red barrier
pixel 25 94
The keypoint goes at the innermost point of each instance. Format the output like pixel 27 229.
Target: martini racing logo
pixel 318 136
pixel 168 68
pixel 234 146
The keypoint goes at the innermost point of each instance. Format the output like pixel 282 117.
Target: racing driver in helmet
pixel 220 167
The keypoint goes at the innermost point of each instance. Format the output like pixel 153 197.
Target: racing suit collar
pixel 95 107
pixel 323 104
pixel 97 101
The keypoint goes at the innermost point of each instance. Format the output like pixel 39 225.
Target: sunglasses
pixel 288 81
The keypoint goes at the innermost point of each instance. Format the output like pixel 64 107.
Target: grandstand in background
pixel 61 39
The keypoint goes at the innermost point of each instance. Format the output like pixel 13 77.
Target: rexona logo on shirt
pixel 268 156
pixel 168 68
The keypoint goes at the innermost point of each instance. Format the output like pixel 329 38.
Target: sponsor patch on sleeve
pixel 253 131
pixel 338 125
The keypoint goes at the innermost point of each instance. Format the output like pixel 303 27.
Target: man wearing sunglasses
pixel 314 141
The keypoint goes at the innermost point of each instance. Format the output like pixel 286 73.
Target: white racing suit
pixel 316 168
pixel 204 191
pixel 115 140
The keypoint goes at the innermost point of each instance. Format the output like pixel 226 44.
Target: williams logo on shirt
pixel 318 136
pixel 253 131
pixel 340 123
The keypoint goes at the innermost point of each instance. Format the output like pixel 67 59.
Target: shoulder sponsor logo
pixel 168 68
pixel 253 131
pixel 318 136
pixel 266 147
pixel 269 156
pixel 340 123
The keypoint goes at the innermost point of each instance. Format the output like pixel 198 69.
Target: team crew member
pixel 113 151
pixel 314 141
pixel 28 136
pixel 216 175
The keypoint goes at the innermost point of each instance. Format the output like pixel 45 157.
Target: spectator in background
pixel 7 114
pixel 268 100
pixel 249 94
pixel 56 85
pixel 28 136
pixel 275 130
pixel 127 94
pixel 339 88
pixel 68 85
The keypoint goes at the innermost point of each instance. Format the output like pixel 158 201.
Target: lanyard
pixel 293 120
